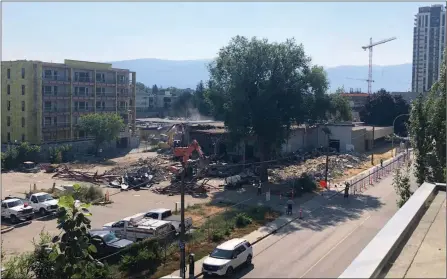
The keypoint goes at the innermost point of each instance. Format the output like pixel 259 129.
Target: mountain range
pixel 187 73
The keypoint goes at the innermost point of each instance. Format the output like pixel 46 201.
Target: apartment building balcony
pixel 77 111
pixel 105 109
pixel 83 97
pixel 53 96
pixel 84 81
pixel 106 96
pixel 55 80
pixel 105 82
pixel 55 127
pixel 55 111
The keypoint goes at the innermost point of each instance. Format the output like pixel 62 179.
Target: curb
pixel 8 229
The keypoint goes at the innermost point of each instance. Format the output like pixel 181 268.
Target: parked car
pixel 43 203
pixel 106 242
pixel 137 227
pixel 227 257
pixel 15 210
pixel 166 215
pixel 30 167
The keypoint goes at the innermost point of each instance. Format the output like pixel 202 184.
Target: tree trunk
pixel 265 156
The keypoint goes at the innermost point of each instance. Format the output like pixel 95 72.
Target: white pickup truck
pixel 166 215
pixel 43 203
pixel 137 228
pixel 16 210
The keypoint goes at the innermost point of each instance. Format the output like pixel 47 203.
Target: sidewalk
pixel 304 205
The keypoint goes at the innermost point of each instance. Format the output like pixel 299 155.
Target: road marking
pixel 336 245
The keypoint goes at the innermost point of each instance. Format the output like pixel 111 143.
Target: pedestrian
pixel 381 162
pixel 346 195
pixel 289 206
pixel 259 188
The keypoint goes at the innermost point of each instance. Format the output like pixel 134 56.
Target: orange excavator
pixel 185 153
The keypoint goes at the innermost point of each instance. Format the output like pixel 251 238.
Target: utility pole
pixel 182 225
pixel 372 148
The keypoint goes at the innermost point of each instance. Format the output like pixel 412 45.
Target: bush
pixel 19 267
pixel 144 255
pixel 306 183
pixel 87 194
pixel 16 155
pixel 218 235
pixel 243 220
pixel 61 154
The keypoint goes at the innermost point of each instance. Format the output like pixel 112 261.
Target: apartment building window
pixel 100 77
pixel 81 91
pixel 23 72
pixel 55 75
pixel 55 121
pixel 23 105
pixel 120 79
pixel 47 121
pixel 8 89
pixel 47 106
pixel 100 91
pixel 8 73
pixel 82 76
pixel 83 105
pixel 23 122
pixel 98 105
pixel 23 89
pixel 23 137
pixel 47 74
pixel 8 105
pixel 8 121
pixel 9 137
pixel 55 90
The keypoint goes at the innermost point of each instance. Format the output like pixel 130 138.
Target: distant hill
pixel 187 73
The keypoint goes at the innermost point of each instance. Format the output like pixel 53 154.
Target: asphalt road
pixel 324 244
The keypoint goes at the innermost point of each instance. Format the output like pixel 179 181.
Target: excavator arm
pixel 186 152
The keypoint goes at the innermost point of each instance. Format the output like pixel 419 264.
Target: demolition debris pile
pixel 154 166
pixel 316 167
pixel 64 172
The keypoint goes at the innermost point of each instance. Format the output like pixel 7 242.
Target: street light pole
pixel 182 225
pixel 392 138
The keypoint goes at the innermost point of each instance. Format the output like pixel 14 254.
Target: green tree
pixel 154 89
pixel 262 87
pixel 104 127
pixel 382 108
pixel 428 132
pixel 72 251
pixel 183 104
pixel 201 99
pixel 401 183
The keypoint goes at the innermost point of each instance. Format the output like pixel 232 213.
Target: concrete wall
pixel 343 133
pixel 358 139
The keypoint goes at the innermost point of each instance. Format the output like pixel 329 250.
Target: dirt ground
pixel 382 152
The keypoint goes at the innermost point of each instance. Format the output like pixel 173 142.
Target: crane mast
pixel 370 48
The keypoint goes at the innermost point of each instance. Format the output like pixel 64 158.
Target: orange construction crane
pixel 186 152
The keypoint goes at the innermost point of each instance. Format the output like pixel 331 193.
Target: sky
pixel 332 33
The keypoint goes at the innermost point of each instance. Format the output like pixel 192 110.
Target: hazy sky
pixel 332 33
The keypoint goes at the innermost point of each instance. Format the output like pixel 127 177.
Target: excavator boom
pixel 186 152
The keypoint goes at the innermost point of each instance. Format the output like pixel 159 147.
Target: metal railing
pixel 359 184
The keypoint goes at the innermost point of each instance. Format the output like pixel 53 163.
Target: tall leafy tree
pixel 428 132
pixel 154 89
pixel 263 89
pixel 104 127
pixel 201 100
pixel 382 108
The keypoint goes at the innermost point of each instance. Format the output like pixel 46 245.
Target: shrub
pixel 144 255
pixel 243 220
pixel 306 183
pixel 15 155
pixel 60 154
pixel 87 194
pixel 19 267
pixel 218 235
